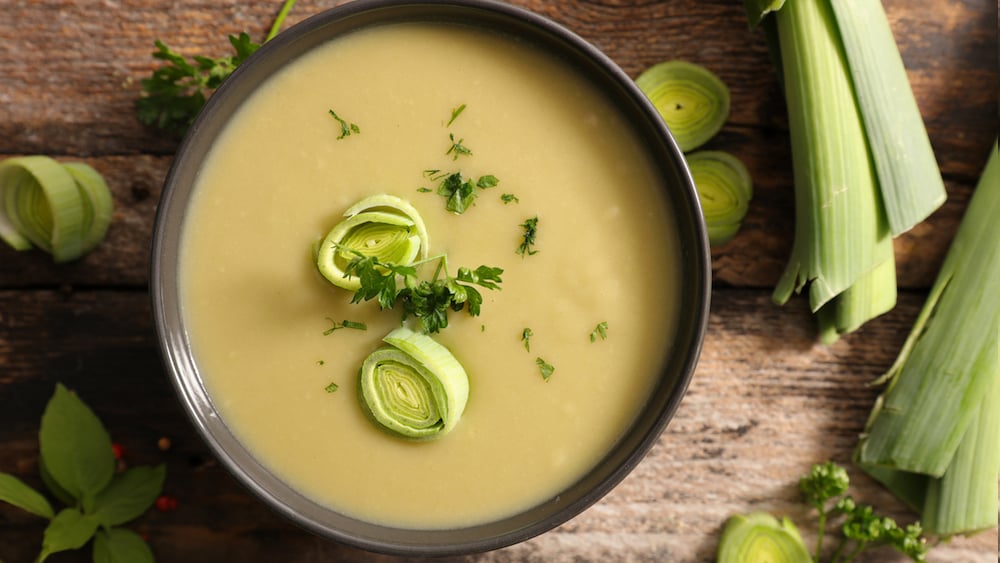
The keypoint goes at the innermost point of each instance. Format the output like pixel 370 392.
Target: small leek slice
pixel 384 226
pixel 693 101
pixel 724 189
pixel 63 209
pixel 761 538
pixel 413 388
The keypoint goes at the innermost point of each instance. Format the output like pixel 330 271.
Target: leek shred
pixel 933 436
pixel 414 387
pixel 382 226
pixel 724 190
pixel 693 102
pixel 63 209
pixel 761 538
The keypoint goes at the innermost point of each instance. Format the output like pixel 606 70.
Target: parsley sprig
pixel 530 227
pixel 426 300
pixel 176 91
pixel 459 193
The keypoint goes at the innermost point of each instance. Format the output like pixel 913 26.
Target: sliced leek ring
pixel 63 209
pixel 693 101
pixel 724 190
pixel 413 388
pixel 761 538
pixel 384 226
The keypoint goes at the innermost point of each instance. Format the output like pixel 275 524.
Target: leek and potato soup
pixel 564 352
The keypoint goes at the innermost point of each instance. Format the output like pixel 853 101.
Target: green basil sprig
pixel 78 467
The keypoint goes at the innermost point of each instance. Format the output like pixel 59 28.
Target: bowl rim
pixel 195 400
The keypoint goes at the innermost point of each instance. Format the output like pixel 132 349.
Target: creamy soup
pixel 255 307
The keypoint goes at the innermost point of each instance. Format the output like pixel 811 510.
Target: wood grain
pixel 766 402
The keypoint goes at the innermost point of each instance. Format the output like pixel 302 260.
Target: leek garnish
pixel 761 538
pixel 692 101
pixel 384 227
pixel 62 208
pixel 934 435
pixel 724 189
pixel 413 387
pixel 864 168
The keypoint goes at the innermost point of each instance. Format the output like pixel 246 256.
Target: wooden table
pixel 766 402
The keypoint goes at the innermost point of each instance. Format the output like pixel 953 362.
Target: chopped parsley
pixel 346 129
pixel 509 198
pixel 460 193
pixel 530 230
pixel 457 149
pixel 455 113
pixel 331 387
pixel 344 324
pixel 545 368
pixel 526 335
pixel 600 330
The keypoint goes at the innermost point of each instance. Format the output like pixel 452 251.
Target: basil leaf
pixel 60 493
pixel 16 492
pixel 75 447
pixel 119 545
pixel 70 529
pixel 129 495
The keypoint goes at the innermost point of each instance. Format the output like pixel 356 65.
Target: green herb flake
pixel 457 149
pixel 343 324
pixel 487 181
pixel 526 335
pixel 530 230
pixel 424 190
pixel 545 368
pixel 509 198
pixel 346 129
pixel 320 362
pixel 455 113
pixel 332 387
pixel 600 330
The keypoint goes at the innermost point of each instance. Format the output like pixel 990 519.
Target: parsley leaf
pixel 509 198
pixel 600 330
pixel 460 193
pixel 545 368
pixel 455 113
pixel 345 128
pixel 457 149
pixel 526 335
pixel 344 324
pixel 332 387
pixel 530 230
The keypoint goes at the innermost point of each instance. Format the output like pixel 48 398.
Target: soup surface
pixel 256 309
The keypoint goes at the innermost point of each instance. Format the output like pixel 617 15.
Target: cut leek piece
pixel 840 231
pixel 761 538
pixel 909 178
pixel 724 190
pixel 693 101
pixel 937 418
pixel 384 226
pixel 63 209
pixel 413 388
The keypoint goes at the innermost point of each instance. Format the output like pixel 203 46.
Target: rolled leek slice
pixel 693 101
pixel 63 209
pixel 724 189
pixel 414 387
pixel 760 538
pixel 384 226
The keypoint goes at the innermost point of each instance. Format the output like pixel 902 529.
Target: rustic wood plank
pixel 766 402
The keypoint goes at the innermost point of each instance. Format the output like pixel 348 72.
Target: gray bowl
pixel 678 366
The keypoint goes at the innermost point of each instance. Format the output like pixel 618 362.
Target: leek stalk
pixel 864 167
pixel 938 415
